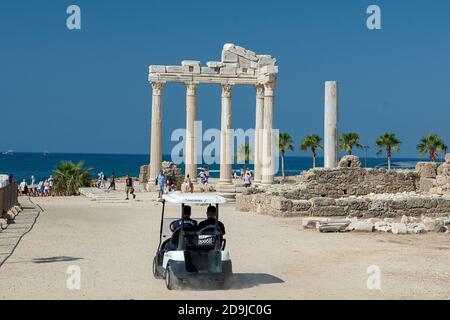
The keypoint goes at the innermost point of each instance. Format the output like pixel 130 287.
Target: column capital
pixel 191 88
pixel 259 91
pixel 226 90
pixel 157 88
pixel 269 88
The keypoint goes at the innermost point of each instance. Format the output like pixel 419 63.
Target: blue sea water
pixel 23 165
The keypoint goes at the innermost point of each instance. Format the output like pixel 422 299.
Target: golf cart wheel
pixel 172 282
pixel 156 274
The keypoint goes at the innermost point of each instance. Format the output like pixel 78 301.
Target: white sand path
pixel 114 244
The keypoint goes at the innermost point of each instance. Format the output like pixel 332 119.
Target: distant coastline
pixel 24 164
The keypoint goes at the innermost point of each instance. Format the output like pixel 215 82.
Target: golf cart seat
pixel 201 242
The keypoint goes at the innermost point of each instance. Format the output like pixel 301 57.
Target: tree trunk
pixel 245 166
pixel 282 164
pixel 389 157
pixel 314 158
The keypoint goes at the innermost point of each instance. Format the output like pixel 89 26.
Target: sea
pixel 24 165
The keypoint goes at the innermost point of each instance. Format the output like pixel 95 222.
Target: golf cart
pixel 186 254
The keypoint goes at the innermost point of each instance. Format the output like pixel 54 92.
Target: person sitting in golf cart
pixel 188 225
pixel 211 215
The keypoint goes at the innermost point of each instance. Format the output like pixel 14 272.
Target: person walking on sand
pixel 247 180
pixel 129 187
pixel 33 186
pixel 101 180
pixel 204 181
pixel 46 188
pixel 188 185
pixel 39 188
pixel 23 187
pixel 112 183
pixel 161 183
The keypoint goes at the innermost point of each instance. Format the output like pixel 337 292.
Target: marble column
pixel 331 145
pixel 226 152
pixel 191 137
pixel 156 132
pixel 259 125
pixel 268 165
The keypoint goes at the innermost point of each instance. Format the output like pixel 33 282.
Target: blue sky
pixel 87 90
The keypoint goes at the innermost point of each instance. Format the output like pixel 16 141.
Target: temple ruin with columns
pixel 238 66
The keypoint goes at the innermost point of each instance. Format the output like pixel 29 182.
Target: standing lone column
pixel 156 133
pixel 226 156
pixel 331 146
pixel 259 125
pixel 268 167
pixel 191 137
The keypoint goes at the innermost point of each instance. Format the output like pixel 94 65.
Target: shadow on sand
pixel 238 282
pixel 55 259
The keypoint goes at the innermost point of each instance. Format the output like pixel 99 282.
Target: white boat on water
pixel 45 153
pixel 9 152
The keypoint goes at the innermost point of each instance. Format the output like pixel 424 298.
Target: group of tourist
pixel 42 189
pixel 164 184
pixel 101 181
pixel 246 176
pixel 129 184
pixel 204 179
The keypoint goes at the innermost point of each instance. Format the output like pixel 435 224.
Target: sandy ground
pixel 113 244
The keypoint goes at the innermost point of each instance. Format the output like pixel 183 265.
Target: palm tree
pixel 243 155
pixel 312 142
pixel 285 143
pixel 431 144
pixel 69 177
pixel 350 140
pixel 390 142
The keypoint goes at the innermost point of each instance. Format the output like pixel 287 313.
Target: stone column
pixel 191 137
pixel 259 125
pixel 156 133
pixel 226 152
pixel 267 160
pixel 331 145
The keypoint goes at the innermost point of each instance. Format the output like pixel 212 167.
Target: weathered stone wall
pixel 344 182
pixel 340 182
pixel 440 184
pixel 355 192
pixel 370 206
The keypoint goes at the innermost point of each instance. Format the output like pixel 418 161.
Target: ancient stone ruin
pixel 354 192
pixel 238 66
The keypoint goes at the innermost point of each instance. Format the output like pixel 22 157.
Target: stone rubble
pixel 235 61
pixel 9 216
pixel 407 225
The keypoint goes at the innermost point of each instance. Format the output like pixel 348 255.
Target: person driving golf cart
pixel 210 222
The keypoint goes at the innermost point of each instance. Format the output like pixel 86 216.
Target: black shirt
pixel 175 227
pixel 189 224
pixel 211 222
pixel 129 182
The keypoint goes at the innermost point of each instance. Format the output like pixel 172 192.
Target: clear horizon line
pixel 168 154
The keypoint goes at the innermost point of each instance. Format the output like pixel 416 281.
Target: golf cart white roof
pixel 193 198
